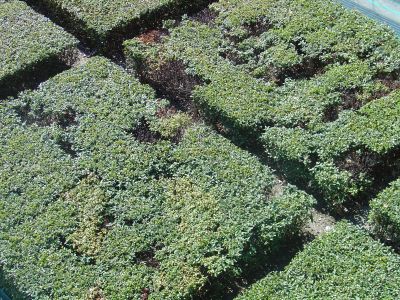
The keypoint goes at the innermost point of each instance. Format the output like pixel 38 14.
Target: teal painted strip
pixel 3 295
pixel 374 15
pixel 384 6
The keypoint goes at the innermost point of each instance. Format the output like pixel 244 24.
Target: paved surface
pixel 386 11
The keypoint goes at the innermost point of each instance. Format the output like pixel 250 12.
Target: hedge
pixel 29 43
pixel 384 214
pixel 342 264
pixel 110 207
pixel 229 90
pixel 318 92
pixel 347 158
pixel 98 22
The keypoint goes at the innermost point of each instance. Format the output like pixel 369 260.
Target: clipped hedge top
pixel 109 208
pixel 321 91
pixel 348 156
pixel 274 66
pixel 343 264
pixel 100 17
pixel 385 212
pixel 27 38
pixel 231 93
pixel 375 126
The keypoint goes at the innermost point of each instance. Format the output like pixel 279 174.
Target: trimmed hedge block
pixel 346 158
pixel 110 207
pixel 321 94
pixel 28 43
pixel 101 21
pixel 385 212
pixel 343 264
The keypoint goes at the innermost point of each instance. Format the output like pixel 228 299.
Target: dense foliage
pixel 320 92
pixel 27 40
pixel 98 20
pixel 342 264
pixel 108 191
pixel 385 213
pixel 98 201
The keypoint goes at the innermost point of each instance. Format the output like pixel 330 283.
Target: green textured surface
pixel 96 19
pixel 385 213
pixel 321 91
pixel 343 264
pixel 102 214
pixel 27 39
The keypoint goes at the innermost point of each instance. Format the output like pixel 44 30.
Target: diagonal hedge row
pixel 117 198
pixel 100 22
pixel 348 158
pixel 342 264
pixel 29 45
pixel 321 93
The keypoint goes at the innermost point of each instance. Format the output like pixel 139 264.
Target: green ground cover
pixel 28 43
pixel 97 22
pixel 320 93
pixel 385 212
pixel 106 194
pixel 343 264
pixel 108 191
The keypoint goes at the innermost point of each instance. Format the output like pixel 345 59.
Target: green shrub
pixel 99 21
pixel 320 93
pixel 385 212
pixel 172 125
pixel 345 157
pixel 342 264
pixel 109 208
pixel 34 169
pixel 227 95
pixel 28 43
